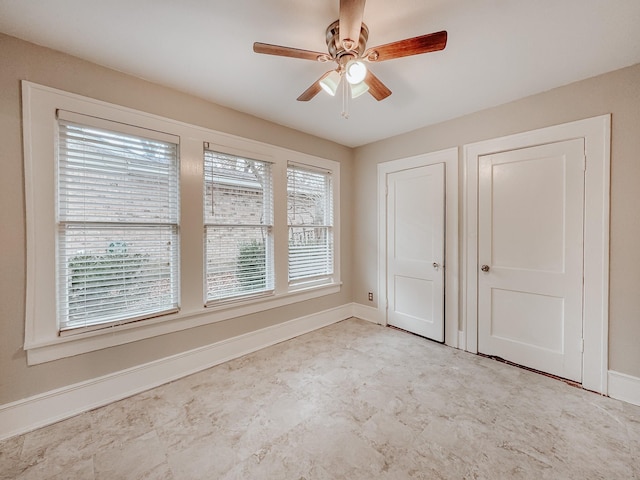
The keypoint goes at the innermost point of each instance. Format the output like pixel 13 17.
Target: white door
pixel 530 254
pixel 415 250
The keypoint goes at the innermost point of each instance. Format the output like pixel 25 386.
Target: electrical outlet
pixel 371 296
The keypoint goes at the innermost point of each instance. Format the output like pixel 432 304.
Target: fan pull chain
pixel 345 99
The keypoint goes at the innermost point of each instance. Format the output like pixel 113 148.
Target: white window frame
pixel 43 342
pixel 100 124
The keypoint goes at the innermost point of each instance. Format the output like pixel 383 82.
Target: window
pixel 117 235
pixel 310 220
pixel 238 217
pixel 134 230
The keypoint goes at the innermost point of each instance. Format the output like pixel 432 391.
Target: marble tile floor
pixel 350 401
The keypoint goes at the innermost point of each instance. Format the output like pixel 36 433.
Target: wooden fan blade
pixel 313 90
pixel 351 12
pixel 269 49
pixel 377 89
pixel 430 42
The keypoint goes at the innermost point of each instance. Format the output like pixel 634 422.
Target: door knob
pixel 436 265
pixel 484 268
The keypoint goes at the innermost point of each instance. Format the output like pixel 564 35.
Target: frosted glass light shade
pixel 355 71
pixel 330 83
pixel 358 89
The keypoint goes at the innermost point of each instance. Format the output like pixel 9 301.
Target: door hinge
pixel 582 345
pixel 584 162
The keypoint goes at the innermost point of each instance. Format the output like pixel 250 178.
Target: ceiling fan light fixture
pixel 330 83
pixel 347 46
pixel 355 71
pixel 359 89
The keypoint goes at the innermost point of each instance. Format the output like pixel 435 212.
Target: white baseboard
pixel 624 387
pixel 367 313
pixel 44 409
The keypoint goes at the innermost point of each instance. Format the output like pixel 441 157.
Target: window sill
pixel 67 346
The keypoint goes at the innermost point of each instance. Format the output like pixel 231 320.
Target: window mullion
pixel 280 228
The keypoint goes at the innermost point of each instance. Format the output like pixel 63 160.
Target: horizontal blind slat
pixel 310 219
pixel 101 123
pixel 238 262
pixel 238 216
pixel 113 267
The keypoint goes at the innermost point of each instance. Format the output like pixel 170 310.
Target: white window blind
pixel 117 247
pixel 310 219
pixel 238 217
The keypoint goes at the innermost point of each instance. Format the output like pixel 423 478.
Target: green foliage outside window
pixel 251 268
pixel 113 279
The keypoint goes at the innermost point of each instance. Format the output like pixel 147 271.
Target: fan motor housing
pixel 336 50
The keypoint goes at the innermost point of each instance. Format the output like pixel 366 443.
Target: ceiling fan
pixel 347 46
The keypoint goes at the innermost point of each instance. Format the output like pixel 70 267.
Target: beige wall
pixel 617 93
pixel 24 61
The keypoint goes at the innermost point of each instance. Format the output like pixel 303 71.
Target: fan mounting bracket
pixel 335 47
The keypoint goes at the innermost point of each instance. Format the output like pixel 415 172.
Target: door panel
pixel 530 236
pixel 541 319
pixel 413 297
pixel 415 246
pixel 528 196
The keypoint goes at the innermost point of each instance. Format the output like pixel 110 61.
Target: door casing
pixel 596 133
pixel 451 279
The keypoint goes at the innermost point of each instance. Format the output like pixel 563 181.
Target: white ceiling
pixel 498 51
